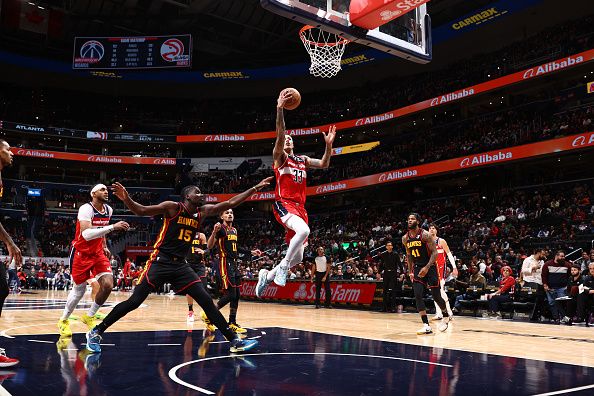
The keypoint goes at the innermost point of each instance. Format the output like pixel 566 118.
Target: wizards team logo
pixel 91 52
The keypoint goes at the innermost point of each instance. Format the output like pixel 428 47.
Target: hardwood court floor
pixel 38 312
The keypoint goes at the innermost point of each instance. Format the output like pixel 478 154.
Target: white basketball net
pixel 325 50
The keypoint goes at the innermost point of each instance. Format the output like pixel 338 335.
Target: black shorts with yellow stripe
pixel 168 269
pixel 430 280
pixel 229 275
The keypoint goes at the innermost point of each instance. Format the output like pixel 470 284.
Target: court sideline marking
pixel 564 391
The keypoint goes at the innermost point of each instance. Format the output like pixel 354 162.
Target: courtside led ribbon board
pixel 524 75
pixel 106 159
pixel 509 154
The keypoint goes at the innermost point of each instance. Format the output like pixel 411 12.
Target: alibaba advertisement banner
pixel 106 159
pixel 509 154
pixel 352 293
pixel 524 75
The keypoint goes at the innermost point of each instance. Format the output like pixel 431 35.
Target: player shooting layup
pixel 289 204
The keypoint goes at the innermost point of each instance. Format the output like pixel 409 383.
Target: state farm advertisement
pixel 106 159
pixel 524 75
pixel 553 146
pixel 353 293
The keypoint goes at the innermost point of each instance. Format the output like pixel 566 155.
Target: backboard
pixel 408 36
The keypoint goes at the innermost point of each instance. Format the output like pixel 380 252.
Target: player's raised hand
pixel 330 135
pixel 120 191
pixel 216 228
pixel 264 183
pixel 283 98
pixel 121 226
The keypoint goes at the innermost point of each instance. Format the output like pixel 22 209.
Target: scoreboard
pixel 132 52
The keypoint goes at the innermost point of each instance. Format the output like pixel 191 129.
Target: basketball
pixel 295 101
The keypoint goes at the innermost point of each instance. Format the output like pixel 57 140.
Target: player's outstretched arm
pixel 166 208
pixel 213 210
pixel 278 152
pixel 325 161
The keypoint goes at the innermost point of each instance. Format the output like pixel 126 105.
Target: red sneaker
pixel 5 361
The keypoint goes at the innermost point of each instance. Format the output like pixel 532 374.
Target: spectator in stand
pixel 32 279
pixel 532 275
pixel 41 279
pixel 583 262
pixel 573 286
pixel 348 275
pixel 475 287
pixel 555 276
pixel 503 295
pixel 586 297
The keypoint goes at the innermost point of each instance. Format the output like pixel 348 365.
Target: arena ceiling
pixel 232 34
pixel 226 33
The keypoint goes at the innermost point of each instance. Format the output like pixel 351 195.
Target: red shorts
pixel 283 208
pixel 84 267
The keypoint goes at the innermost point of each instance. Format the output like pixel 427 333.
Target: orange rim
pixel 306 28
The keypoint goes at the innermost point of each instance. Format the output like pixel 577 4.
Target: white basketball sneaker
pixel 281 275
pixel 426 329
pixel 443 325
pixel 262 282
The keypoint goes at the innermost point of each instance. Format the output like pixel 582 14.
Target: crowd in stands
pixel 536 122
pixel 150 116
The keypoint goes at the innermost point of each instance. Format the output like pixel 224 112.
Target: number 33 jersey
pixel 291 179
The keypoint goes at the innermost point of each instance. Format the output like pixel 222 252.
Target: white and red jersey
pixel 441 259
pixel 291 178
pixel 88 212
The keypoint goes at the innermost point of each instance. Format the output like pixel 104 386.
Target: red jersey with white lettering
pixel 441 259
pixel 291 179
pixel 88 212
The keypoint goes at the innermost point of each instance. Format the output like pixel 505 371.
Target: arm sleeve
pixel 451 258
pixel 94 233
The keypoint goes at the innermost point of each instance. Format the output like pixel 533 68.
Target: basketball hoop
pixel 325 50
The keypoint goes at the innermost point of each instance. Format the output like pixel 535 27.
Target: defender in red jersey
pixel 168 261
pixel 443 251
pixel 89 257
pixel 290 171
